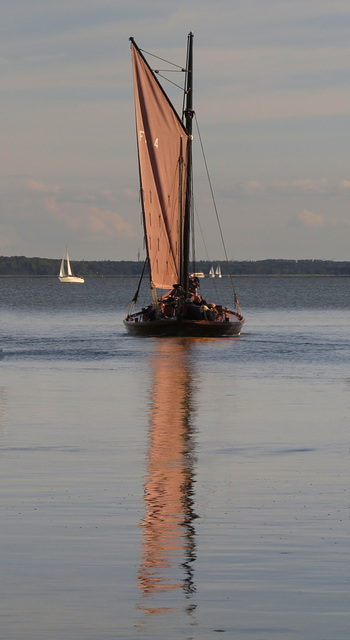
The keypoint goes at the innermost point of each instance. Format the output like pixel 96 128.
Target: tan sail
pixel 160 136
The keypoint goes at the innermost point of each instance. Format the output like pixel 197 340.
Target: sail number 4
pixel 142 137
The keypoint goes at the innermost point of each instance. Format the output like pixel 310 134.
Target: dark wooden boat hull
pixel 181 327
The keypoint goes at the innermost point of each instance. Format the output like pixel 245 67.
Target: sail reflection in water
pixel 168 546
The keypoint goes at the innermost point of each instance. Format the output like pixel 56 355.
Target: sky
pixel 272 101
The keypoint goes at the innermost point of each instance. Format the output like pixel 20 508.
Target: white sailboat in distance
pixel 218 271
pixel 68 276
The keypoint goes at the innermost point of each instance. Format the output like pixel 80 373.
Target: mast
pixel 184 272
pixel 181 217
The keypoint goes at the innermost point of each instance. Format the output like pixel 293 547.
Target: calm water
pixel 174 488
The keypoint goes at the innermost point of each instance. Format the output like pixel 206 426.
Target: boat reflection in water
pixel 168 544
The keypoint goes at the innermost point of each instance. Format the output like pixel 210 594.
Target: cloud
pixel 261 77
pixel 8 236
pixel 108 222
pixel 300 187
pixel 310 219
pixel 307 186
pixel 97 220
pixel 129 193
pixel 252 187
pixel 316 186
pixel 36 185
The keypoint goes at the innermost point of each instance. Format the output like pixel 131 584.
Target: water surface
pixel 174 488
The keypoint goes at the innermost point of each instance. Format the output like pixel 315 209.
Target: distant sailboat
pixel 68 276
pixel 211 272
pixel 218 271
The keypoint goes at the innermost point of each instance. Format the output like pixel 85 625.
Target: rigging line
pixel 215 207
pixel 183 89
pixel 167 79
pixel 204 243
pixel 206 250
pixel 163 59
pixel 201 230
pixel 192 221
pixel 168 70
pixel 134 300
pixel 193 232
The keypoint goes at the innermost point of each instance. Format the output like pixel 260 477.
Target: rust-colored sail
pixel 162 141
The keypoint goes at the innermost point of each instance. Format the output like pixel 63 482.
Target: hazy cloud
pixel 287 188
pixel 8 237
pixel 35 185
pixel 310 219
pixel 97 220
pixel 272 98
pixel 107 222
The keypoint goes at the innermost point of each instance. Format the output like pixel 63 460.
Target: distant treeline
pixel 22 266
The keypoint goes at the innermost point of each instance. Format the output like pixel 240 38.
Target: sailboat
pixel 211 272
pixel 164 142
pixel 68 275
pixel 218 271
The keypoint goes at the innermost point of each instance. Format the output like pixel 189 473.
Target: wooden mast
pixel 184 272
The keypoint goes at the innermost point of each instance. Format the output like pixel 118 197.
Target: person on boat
pixel 193 285
pixel 156 313
pixel 198 300
pixel 212 313
pixel 204 310
pixel 150 313
pixel 161 310
pixel 191 310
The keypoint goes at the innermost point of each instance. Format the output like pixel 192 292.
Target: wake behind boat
pixel 68 275
pixel 165 165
